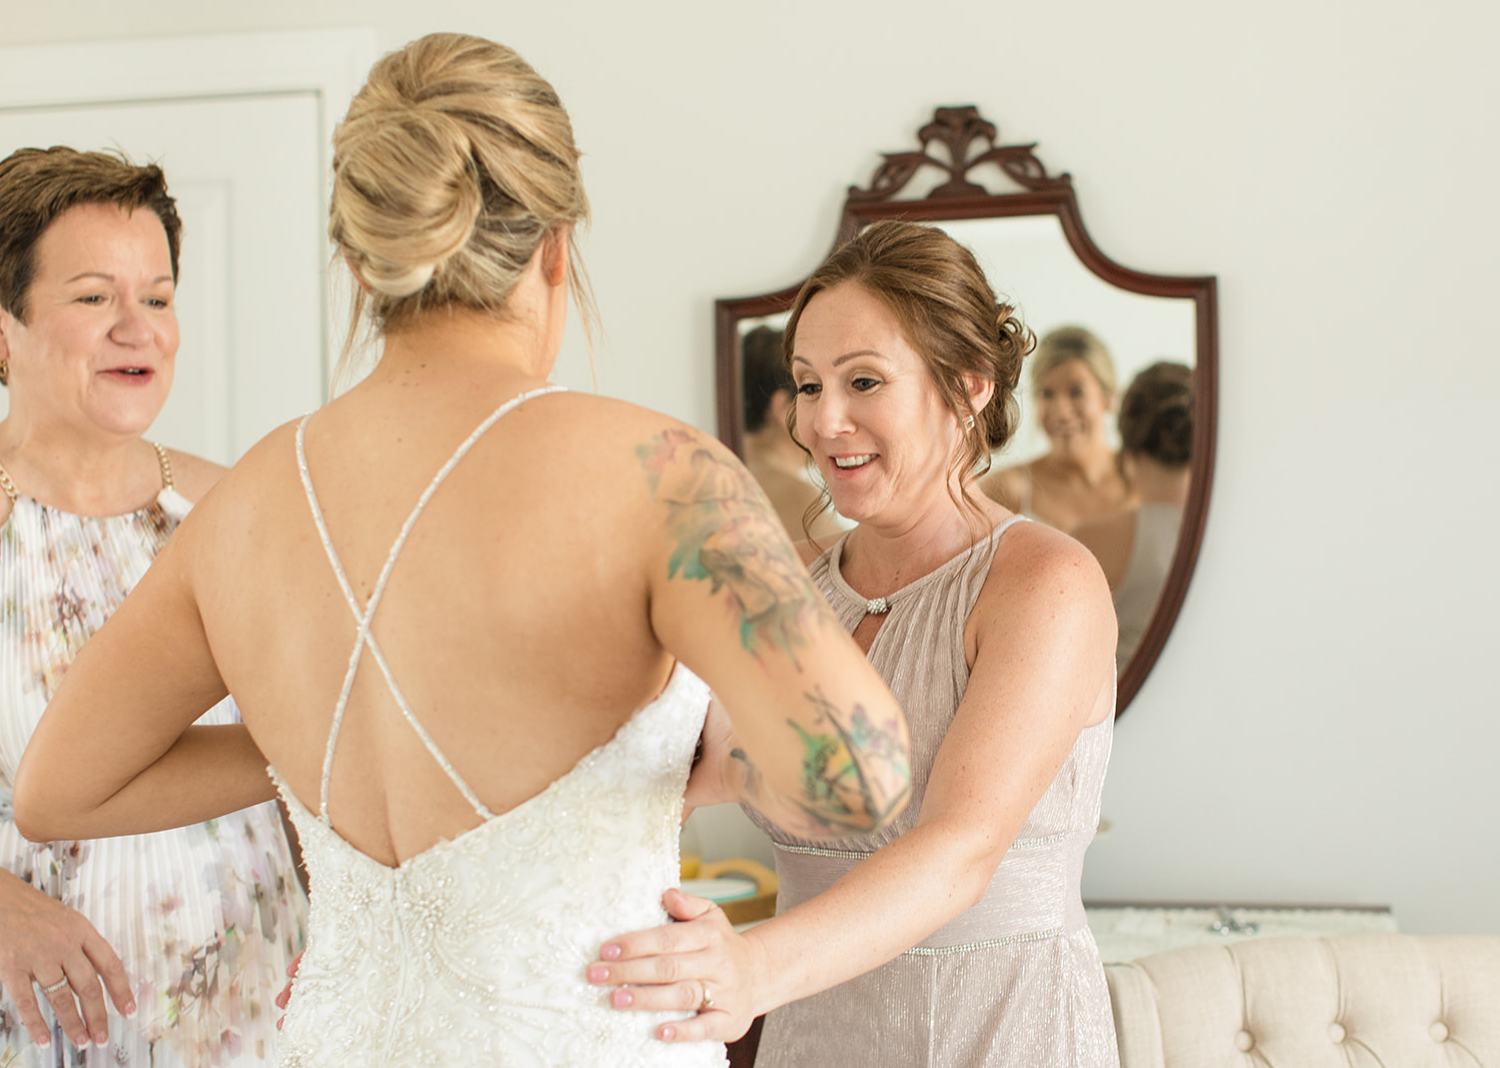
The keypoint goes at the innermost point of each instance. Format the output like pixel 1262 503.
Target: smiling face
pixel 869 412
pixel 1072 407
pixel 96 351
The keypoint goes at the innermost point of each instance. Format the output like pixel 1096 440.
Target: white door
pixel 249 173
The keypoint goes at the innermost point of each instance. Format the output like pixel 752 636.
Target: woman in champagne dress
pixel 956 937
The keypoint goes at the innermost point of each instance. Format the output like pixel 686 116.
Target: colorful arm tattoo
pixel 727 534
pixel 856 774
pixel 855 778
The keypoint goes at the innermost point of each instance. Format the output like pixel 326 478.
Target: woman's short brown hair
pixel 950 315
pixel 39 184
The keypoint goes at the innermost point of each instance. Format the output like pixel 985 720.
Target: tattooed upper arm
pixel 832 754
pixel 725 532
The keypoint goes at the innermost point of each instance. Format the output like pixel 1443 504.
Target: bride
pixel 458 608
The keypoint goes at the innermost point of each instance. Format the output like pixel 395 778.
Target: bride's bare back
pixel 517 619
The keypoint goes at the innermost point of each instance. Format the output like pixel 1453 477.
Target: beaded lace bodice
pixel 474 951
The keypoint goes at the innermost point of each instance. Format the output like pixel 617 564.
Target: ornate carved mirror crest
pixel 1032 242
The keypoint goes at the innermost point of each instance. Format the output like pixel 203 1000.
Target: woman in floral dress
pixel 163 949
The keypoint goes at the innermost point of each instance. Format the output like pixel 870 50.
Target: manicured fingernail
pixel 45 1040
pixel 610 951
pixel 598 974
pixel 101 1040
pixel 130 1008
pixel 668 1032
pixel 621 999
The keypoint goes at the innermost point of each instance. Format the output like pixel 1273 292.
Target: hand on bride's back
pixel 681 967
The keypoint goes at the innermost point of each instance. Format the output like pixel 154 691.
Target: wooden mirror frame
pixel 958 128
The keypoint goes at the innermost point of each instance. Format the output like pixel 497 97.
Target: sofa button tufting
pixel 1335 1032
pixel 1438 1032
pixel 1244 1041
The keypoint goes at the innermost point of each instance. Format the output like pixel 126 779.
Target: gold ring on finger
pixel 55 987
pixel 708 1000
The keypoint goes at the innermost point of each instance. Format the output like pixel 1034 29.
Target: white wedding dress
pixel 473 952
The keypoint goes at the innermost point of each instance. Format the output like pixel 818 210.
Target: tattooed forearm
pixel 855 773
pixel 727 534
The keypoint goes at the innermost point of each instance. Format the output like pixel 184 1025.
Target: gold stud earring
pixel 4 372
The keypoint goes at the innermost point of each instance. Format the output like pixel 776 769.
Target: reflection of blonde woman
pixel 1135 547
pixel 1073 386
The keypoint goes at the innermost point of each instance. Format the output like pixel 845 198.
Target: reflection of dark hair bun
pixel 1156 414
pixel 765 374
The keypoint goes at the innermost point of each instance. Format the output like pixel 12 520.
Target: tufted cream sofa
pixel 1358 1001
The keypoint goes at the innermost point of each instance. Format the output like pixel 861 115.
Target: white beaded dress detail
pixel 474 951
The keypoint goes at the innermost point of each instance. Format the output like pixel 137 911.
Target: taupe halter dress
pixel 1014 981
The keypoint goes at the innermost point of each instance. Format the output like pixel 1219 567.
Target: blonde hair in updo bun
pixel 452 165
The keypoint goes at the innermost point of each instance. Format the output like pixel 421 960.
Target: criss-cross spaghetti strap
pixel 363 618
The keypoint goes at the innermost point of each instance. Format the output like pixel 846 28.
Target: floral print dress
pixel 205 918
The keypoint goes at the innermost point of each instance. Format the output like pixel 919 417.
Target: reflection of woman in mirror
pixel 1135 547
pixel 778 463
pixel 1073 387
pixel 956 938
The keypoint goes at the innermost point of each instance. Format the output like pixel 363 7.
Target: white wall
pixel 1323 725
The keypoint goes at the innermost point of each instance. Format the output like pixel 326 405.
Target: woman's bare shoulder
pixel 611 412
pixel 1038 572
pixel 619 435
pixel 227 493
